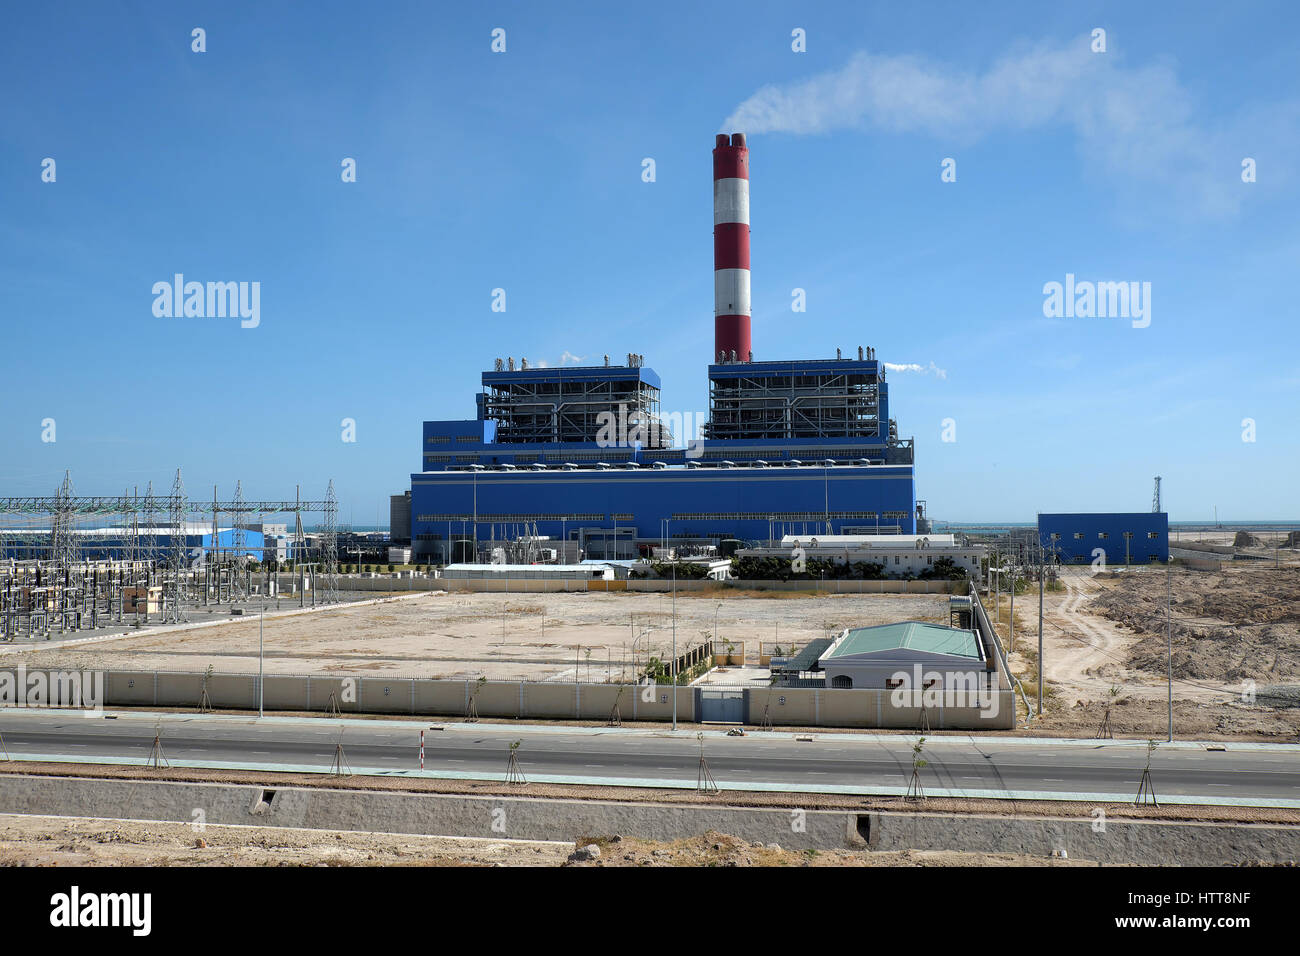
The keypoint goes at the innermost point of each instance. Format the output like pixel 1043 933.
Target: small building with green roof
pixel 913 652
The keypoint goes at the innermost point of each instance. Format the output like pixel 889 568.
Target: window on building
pixel 1078 536
pixel 1153 535
pixel 892 683
pixel 842 681
pixel 1103 534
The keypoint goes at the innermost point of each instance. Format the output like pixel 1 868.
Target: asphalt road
pixel 828 762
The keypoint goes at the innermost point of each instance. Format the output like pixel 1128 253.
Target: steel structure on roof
pixel 793 400
pixel 541 406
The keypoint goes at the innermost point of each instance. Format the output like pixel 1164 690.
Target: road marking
pixel 1053 780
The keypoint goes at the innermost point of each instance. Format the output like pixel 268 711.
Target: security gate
pixel 721 706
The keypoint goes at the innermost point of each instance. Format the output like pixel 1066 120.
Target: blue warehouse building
pixel 1125 538
pixel 105 544
pixel 584 455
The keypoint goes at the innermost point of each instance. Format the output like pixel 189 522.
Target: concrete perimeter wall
pixel 536 586
pixel 547 700
pixel 528 818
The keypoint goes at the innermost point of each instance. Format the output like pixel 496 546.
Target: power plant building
pixel 582 454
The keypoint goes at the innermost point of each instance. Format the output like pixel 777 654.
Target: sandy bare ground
pixel 718 849
pixel 81 841
pixel 1085 653
pixel 1109 631
pixel 593 636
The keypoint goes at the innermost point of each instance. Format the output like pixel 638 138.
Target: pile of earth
pixel 1226 626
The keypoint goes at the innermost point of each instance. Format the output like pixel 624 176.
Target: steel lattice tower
pixel 174 587
pixel 329 550
pixel 239 544
pixel 63 536
pixel 149 541
pixel 130 534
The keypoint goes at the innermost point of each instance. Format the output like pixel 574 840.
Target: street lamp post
pixel 1169 638
pixel 674 667
pixel 261 669
pixel 476 471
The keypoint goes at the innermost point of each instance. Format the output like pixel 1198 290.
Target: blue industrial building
pixel 1125 538
pixel 584 455
pixel 104 544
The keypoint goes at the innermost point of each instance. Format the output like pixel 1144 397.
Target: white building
pixel 900 554
pixel 497 572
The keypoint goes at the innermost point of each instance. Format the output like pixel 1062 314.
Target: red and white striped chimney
pixel 731 250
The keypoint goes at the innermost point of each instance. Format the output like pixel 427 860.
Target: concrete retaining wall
pixel 524 818
pixel 544 700
pixel 807 707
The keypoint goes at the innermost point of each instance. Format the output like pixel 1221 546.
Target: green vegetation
pixel 943 570
pixel 661 672
pixel 817 569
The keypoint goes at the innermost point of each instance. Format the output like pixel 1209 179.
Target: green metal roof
pixel 909 635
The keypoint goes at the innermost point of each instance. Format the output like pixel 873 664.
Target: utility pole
pixel 674 667
pixel 997 587
pixel 261 680
pixel 1041 576
pixel 1169 638
pixel 1011 641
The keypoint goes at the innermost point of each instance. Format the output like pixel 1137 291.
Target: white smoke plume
pixel 1136 121
pixel 566 358
pixel 913 367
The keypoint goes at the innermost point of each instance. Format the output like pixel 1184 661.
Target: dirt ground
pixel 79 841
pixel 1108 631
pixel 1228 627
pixel 718 849
pixel 592 635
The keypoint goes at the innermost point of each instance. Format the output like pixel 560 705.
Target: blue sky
pixel 522 170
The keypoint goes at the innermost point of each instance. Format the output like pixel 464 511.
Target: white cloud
pixel 1138 123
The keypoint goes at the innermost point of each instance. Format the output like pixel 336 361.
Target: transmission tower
pixel 130 533
pixel 1155 498
pixel 173 585
pixel 239 543
pixel 63 536
pixel 329 548
pixel 149 540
